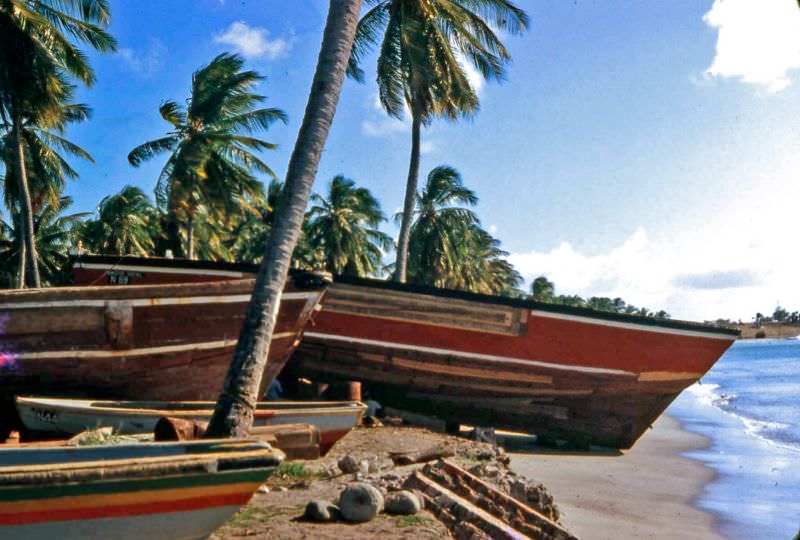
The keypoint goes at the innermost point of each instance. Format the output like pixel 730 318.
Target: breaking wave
pixel 773 433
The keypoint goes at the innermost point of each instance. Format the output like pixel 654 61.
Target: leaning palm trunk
pixel 28 232
pixel 21 263
pixel 190 238
pixel 233 414
pixel 401 264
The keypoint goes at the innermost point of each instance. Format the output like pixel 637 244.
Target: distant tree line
pixel 543 290
pixel 779 315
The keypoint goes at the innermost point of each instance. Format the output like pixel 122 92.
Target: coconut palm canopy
pixel 212 153
pixel 423 45
pixel 125 224
pixel 37 54
pixel 343 224
pixel 55 234
pixel 448 247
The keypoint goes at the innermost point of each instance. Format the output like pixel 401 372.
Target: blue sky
pixel 639 149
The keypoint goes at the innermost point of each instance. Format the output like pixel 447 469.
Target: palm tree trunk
pixel 190 238
pixel 233 414
pixel 21 267
pixel 28 231
pixel 401 262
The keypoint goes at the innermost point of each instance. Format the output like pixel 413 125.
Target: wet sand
pixel 647 492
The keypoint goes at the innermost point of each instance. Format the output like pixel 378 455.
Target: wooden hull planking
pixel 160 342
pixel 555 371
pixel 563 376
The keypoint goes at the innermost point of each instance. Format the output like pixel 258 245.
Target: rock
pixel 402 503
pixel 363 467
pixel 373 466
pixel 492 471
pixel 283 489
pixel 348 464
pixel 263 489
pixel 360 502
pixel 485 454
pixel 321 511
pixel 536 496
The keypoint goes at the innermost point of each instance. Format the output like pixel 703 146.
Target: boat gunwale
pixel 429 291
pixel 76 406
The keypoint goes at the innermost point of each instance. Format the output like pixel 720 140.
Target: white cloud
pixel 384 127
pixel 740 262
pixel 493 229
pixel 143 62
pixel 253 41
pixel 758 41
pixel 428 146
pixel 379 124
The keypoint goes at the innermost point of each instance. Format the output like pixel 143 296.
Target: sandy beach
pixel 646 492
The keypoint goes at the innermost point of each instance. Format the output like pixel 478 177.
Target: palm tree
pixel 440 224
pixel 233 414
pixel 484 267
pixel 212 159
pixel 54 235
pixel 420 67
pixel 124 224
pixel 45 149
pixel 542 289
pixel 448 247
pixel 35 53
pixel 344 225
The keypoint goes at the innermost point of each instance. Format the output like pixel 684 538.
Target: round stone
pixel 360 502
pixel 322 511
pixel 402 503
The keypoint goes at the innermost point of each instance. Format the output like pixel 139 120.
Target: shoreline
pixel 650 491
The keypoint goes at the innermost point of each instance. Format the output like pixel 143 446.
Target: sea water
pixel 748 405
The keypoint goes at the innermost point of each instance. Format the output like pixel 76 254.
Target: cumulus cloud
pixel 143 62
pixel 741 261
pixel 254 42
pixel 758 42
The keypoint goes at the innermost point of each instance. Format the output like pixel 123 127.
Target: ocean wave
pixel 708 394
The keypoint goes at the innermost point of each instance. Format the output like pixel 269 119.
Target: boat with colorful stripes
pixel 149 491
pixel 50 417
pixel 158 341
pixel 560 372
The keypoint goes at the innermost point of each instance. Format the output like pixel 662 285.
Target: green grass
pixel 294 470
pixel 411 521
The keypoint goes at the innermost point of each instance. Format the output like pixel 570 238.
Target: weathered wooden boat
pixel 159 342
pixel 334 419
pixel 149 491
pixel 559 372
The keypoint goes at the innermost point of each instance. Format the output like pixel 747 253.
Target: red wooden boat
pixel 563 373
pixel 143 342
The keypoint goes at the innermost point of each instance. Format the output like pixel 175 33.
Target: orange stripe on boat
pixel 77 502
pixel 110 511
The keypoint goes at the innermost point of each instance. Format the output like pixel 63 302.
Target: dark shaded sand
pixel 647 492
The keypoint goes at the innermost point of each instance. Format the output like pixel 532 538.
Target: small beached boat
pixel 333 419
pixel 149 491
pixel 587 376
pixel 161 342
